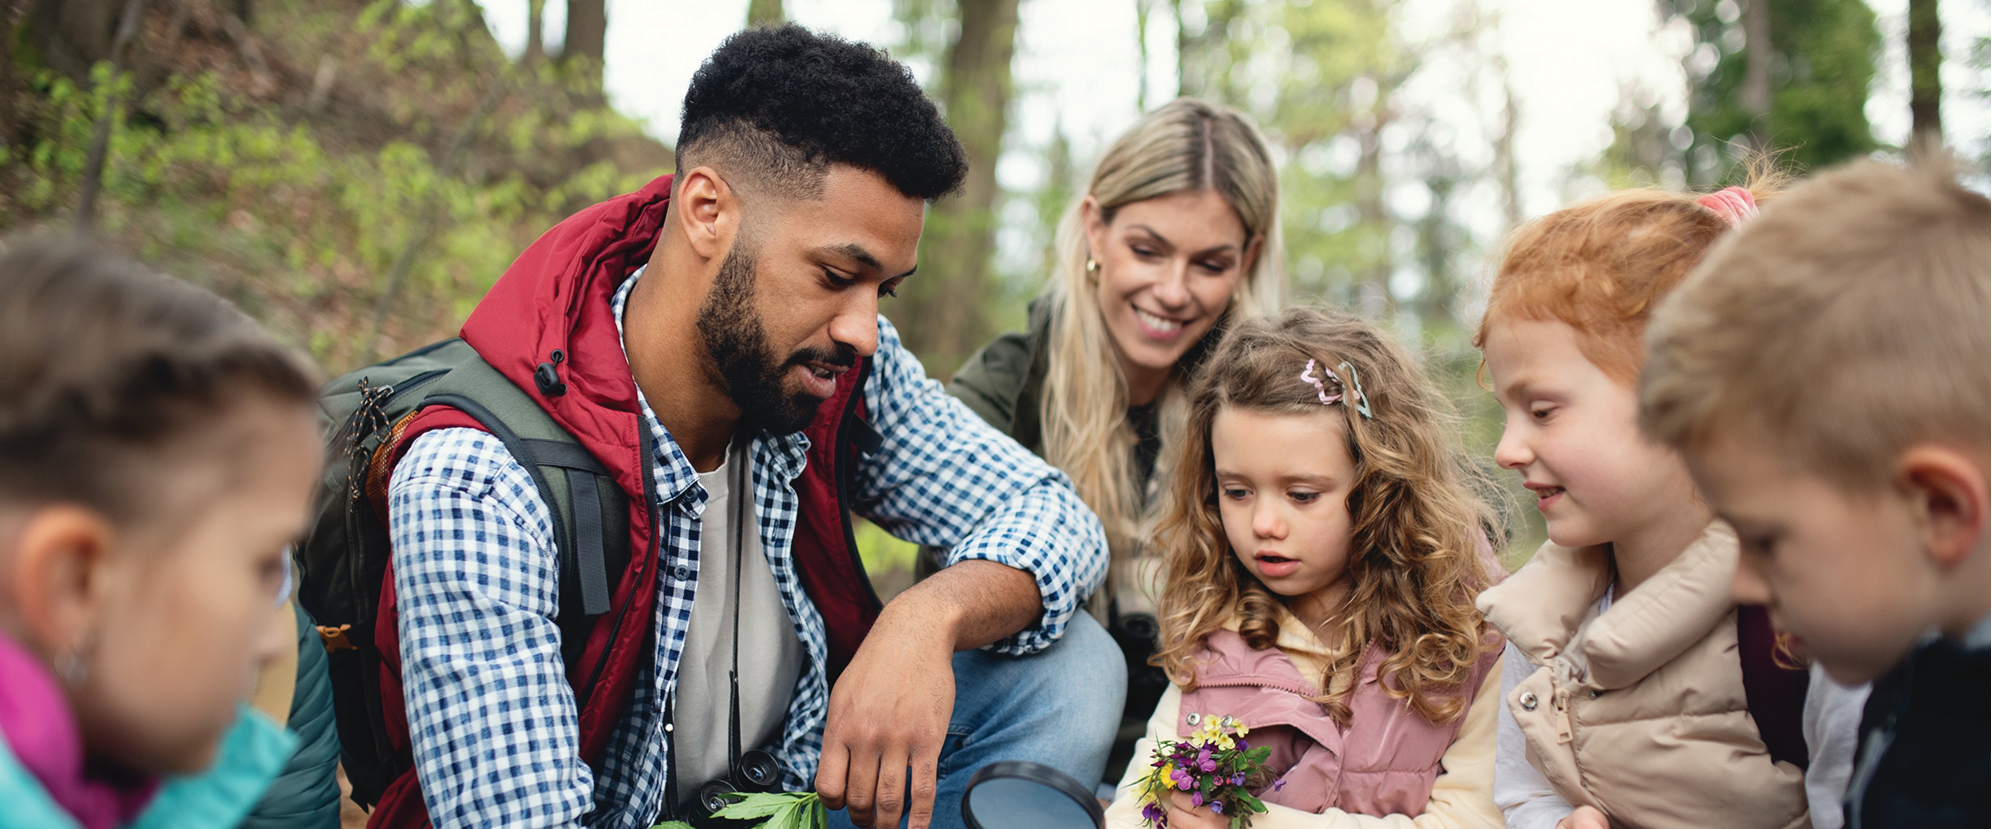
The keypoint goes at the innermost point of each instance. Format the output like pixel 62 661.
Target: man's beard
pixel 743 364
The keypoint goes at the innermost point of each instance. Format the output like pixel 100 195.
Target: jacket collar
pixel 1541 607
pixel 556 297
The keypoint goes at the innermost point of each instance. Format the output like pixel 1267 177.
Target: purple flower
pixel 1242 745
pixel 1151 813
pixel 1279 784
pixel 1217 806
pixel 1197 799
pixel 1238 779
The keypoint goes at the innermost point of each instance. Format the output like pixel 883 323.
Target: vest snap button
pixel 1528 701
pixel 1194 718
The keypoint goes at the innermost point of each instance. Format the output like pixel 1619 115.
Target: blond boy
pixel 1826 374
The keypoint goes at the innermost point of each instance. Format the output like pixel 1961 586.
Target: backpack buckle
pixel 335 639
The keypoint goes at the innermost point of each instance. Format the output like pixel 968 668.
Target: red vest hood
pixel 556 298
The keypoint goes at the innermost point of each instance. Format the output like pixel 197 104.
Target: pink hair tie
pixel 1733 204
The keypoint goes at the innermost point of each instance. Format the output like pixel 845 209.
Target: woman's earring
pixel 1092 265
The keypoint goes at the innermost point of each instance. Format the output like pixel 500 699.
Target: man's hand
pixel 889 712
pixel 1184 814
pixel 1585 817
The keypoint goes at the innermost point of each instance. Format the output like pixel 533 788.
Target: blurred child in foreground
pixel 158 454
pixel 1825 373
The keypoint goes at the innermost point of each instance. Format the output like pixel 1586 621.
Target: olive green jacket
pixel 1004 382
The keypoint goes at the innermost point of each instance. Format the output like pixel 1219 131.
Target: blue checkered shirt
pixel 490 713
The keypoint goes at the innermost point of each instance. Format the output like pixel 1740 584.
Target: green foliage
pixel 1822 60
pixel 778 810
pixel 1318 79
pixel 301 218
pixel 881 552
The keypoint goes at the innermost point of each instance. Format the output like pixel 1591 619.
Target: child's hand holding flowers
pixel 1205 780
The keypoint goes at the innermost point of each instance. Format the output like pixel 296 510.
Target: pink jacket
pixel 1383 763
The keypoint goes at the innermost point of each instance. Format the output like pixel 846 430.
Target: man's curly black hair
pixel 780 104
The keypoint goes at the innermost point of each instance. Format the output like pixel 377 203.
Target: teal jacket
pixel 252 753
pixel 306 794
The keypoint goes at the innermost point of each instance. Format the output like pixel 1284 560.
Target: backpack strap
pixel 589 510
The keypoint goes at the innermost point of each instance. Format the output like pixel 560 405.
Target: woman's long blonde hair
pixel 1186 145
pixel 1418 552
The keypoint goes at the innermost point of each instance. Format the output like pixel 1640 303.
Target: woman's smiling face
pixel 1169 267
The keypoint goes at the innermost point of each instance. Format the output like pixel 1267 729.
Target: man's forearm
pixel 979 601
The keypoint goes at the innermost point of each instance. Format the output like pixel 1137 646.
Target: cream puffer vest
pixel 1657 732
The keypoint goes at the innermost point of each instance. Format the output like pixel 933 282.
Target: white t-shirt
pixel 1831 723
pixel 770 652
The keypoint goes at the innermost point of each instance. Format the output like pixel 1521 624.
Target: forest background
pixel 356 173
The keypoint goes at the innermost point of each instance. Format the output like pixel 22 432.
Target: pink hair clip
pixel 1321 388
pixel 1733 204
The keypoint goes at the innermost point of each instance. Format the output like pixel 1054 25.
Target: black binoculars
pixel 757 773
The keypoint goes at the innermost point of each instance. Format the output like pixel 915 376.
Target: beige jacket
pixel 1462 794
pixel 1640 711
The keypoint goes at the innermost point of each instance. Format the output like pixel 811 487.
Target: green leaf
pixel 672 824
pixel 790 817
pixel 751 806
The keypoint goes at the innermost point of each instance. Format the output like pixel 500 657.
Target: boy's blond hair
pixel 1845 323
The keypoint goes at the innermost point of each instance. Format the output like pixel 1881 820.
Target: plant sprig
pixel 775 810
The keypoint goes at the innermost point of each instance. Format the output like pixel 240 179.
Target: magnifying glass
pixel 1016 793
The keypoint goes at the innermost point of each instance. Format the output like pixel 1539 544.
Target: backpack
pixel 345 552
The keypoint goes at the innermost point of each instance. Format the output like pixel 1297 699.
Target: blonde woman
pixel 1177 233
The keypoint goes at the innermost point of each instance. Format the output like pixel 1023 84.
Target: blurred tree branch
pixel 100 137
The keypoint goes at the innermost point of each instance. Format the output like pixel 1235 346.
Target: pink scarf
pixel 37 725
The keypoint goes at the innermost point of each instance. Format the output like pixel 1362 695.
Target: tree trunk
pixel 1925 86
pixel 72 35
pixel 100 138
pixel 944 313
pixel 587 38
pixel 1755 94
pixel 1141 49
pixel 765 13
pixel 1507 173
pixel 535 31
pixel 1373 246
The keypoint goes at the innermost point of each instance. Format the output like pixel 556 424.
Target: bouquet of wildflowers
pixel 1216 767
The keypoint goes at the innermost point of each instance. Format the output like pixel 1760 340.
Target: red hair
pixel 1600 267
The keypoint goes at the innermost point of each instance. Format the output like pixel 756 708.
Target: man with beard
pixel 714 342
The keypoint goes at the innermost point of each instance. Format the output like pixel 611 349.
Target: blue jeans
pixel 1058 707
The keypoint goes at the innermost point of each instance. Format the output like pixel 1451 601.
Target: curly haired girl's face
pixel 1283 493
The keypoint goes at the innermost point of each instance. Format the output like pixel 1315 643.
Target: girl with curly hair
pixel 1322 547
